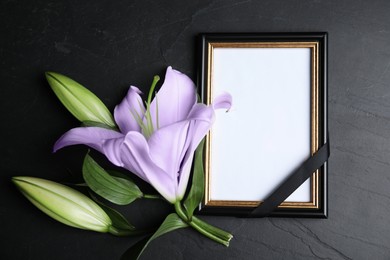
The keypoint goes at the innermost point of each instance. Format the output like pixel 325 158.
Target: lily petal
pixel 185 174
pixel 129 111
pixel 168 146
pixel 198 132
pixel 201 112
pixel 136 157
pixel 224 100
pixel 92 136
pixel 201 118
pixel 112 150
pixel 174 100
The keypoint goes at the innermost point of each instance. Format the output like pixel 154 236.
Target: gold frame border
pixel 314 203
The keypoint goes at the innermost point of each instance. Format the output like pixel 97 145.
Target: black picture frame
pixel 217 48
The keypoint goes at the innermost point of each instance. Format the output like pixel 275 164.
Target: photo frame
pixel 278 120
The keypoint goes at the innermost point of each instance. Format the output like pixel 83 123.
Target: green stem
pixel 196 225
pixel 217 231
pixel 180 211
pixel 151 196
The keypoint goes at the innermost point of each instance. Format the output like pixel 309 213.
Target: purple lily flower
pixel 157 143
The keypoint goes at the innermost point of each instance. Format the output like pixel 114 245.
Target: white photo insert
pixel 266 134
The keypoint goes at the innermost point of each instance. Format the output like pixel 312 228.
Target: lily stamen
pixel 148 116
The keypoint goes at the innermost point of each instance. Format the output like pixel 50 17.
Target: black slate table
pixel 107 45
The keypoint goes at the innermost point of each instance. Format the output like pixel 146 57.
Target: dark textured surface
pixel 106 45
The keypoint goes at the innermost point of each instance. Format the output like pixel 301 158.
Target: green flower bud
pixel 64 204
pixel 81 102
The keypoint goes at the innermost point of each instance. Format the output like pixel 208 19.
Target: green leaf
pixel 81 102
pixel 171 223
pixel 120 226
pixel 134 252
pixel 117 190
pixel 195 196
pixel 118 220
pixel 120 175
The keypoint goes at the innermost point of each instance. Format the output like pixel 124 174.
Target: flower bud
pixel 64 204
pixel 81 102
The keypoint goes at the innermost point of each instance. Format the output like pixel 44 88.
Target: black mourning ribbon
pixel 295 180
